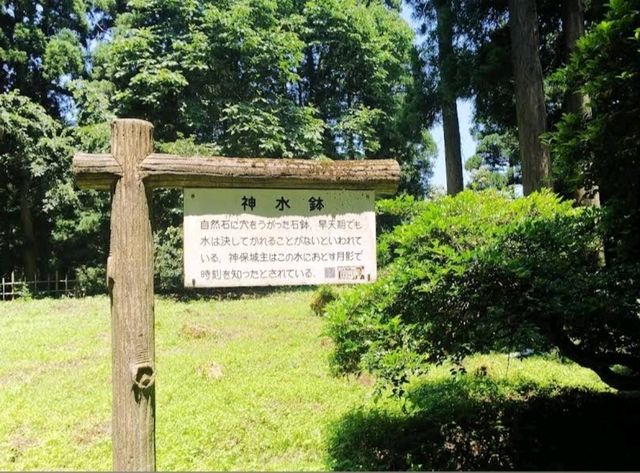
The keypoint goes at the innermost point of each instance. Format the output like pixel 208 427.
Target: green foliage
pixel 418 155
pixel 393 212
pixel 32 142
pixel 496 163
pixel 80 218
pixel 255 130
pixel 237 77
pixel 168 260
pixel 188 147
pixel 91 280
pixel 243 77
pixel 481 272
pixel 599 150
pixel 63 55
pixel 321 297
pixel 260 78
pixel 479 65
pixel 360 125
pixel 41 49
pixel 93 102
pixel 80 231
pixel 34 165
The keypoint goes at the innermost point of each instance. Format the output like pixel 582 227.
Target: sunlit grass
pixel 241 385
pixel 545 371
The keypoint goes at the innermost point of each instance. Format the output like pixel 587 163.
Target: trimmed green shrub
pixel 482 272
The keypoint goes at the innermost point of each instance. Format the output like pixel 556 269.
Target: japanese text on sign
pixel 278 237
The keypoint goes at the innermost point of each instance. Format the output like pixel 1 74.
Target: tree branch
pixel 601 364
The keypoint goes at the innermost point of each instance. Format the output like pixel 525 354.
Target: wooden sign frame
pixel 131 171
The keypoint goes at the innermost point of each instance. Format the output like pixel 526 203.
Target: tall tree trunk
pixel 448 96
pixel 530 107
pixel 452 154
pixel 29 253
pixel 576 101
pixel 573 25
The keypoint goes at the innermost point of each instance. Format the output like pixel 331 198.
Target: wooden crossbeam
pixel 101 171
pixel 130 172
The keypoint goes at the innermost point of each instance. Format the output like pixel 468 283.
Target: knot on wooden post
pixel 143 375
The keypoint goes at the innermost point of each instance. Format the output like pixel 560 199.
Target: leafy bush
pixel 393 212
pixel 168 260
pixel 91 280
pixel 599 149
pixel 321 298
pixel 482 272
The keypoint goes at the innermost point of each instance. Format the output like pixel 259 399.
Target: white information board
pixel 278 237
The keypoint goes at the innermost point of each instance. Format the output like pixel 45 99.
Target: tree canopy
pixel 266 78
pixel 255 78
pixel 598 149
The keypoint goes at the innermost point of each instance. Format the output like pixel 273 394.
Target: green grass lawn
pixel 241 385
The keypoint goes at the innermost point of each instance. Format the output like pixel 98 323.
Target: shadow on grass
pixel 481 424
pixel 226 293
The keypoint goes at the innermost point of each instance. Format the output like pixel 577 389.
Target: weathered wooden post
pixel 130 279
pixel 131 171
pixel 130 282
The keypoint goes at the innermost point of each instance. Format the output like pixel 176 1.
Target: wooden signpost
pixel 131 172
